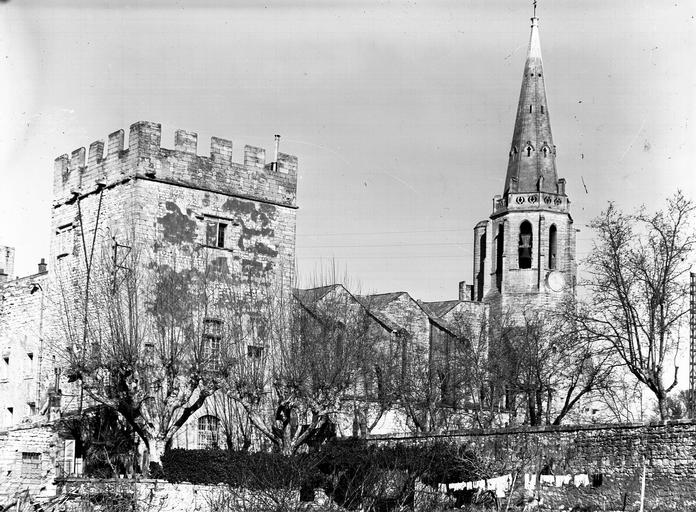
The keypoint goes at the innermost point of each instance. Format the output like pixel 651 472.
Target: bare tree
pixel 638 288
pixel 551 365
pixel 299 362
pixel 137 343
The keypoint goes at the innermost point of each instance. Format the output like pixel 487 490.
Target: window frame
pixel 212 343
pixel 208 427
pixel 553 247
pixel 528 261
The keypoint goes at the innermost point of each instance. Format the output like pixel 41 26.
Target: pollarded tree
pixel 638 288
pixel 297 364
pixel 138 340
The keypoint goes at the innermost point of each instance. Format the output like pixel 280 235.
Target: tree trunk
pixel 661 400
pixel 153 454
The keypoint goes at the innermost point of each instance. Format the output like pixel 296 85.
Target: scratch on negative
pixel 630 145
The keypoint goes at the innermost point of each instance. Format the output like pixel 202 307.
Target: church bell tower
pixel 524 254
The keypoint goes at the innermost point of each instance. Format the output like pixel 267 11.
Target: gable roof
pixel 308 298
pixel 440 308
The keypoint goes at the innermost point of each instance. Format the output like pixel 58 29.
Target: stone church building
pixel 185 212
pixel 524 254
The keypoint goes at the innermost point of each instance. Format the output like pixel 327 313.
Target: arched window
pixel 208 432
pixel 552 246
pixel 525 245
pixel 499 244
pixel 546 151
pixel 481 267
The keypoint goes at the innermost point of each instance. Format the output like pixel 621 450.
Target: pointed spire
pixel 532 163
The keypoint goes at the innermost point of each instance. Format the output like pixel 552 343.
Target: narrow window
pixel 529 150
pixel 208 428
pixel 542 109
pixel 546 151
pixel 212 338
pixel 481 268
pixel 530 109
pixel 499 257
pixel 221 234
pixel 525 245
pixel 552 246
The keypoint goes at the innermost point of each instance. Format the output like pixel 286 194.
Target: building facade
pixel 186 213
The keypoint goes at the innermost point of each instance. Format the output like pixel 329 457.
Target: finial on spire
pixel 535 2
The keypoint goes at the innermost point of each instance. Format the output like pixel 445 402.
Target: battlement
pixel 83 172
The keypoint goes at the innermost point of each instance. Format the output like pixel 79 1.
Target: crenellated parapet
pixel 106 165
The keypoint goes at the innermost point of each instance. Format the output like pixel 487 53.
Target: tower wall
pixel 159 202
pixel 164 200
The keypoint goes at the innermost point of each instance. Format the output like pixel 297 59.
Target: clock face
pixel 555 281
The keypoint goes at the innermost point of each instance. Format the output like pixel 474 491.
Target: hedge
pixel 251 470
pixel 352 459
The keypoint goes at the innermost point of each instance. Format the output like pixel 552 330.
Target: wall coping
pixel 27 426
pixel 534 430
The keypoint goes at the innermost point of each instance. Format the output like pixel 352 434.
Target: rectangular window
pixel 31 465
pixel 212 338
pixel 221 234
pixel 259 326
pixel 215 235
pixel 254 352
pixel 208 428
pixel 65 240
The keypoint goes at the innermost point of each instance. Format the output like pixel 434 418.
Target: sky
pixel 401 113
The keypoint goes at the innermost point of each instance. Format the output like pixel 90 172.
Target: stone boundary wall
pixel 162 496
pixel 613 455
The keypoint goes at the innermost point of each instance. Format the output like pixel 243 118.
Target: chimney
pixel 43 268
pixel 463 291
pixel 277 147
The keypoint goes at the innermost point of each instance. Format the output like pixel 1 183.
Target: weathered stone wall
pixel 163 202
pixel 158 495
pixel 24 373
pixel 613 454
pixel 29 460
pixel 522 288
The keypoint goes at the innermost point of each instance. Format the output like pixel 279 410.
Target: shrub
pixel 351 471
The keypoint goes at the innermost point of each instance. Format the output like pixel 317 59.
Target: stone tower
pixel 524 255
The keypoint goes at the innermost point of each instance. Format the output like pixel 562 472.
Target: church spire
pixel 532 163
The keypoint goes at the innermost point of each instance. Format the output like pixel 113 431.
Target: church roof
pixel 440 308
pixel 532 159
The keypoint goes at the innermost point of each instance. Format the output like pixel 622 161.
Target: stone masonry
pixel 611 455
